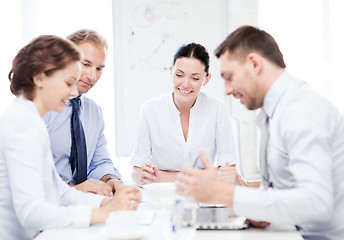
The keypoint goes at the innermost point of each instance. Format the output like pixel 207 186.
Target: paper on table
pixel 146 216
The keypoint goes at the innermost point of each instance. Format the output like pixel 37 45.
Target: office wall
pixel 147 35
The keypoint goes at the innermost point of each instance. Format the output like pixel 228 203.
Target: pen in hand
pixel 151 169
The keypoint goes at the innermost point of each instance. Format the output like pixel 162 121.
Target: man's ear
pixel 38 79
pixel 207 79
pixel 256 62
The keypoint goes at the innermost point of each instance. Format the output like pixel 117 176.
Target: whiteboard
pixel 147 33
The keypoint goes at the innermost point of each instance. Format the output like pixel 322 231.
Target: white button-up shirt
pixel 33 196
pixel 161 141
pixel 306 163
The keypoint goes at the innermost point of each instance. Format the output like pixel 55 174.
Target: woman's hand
pixel 127 198
pixel 149 174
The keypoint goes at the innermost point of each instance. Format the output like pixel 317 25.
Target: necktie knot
pixel 75 103
pixel 262 119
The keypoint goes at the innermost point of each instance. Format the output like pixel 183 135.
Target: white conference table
pixel 153 229
pixel 97 232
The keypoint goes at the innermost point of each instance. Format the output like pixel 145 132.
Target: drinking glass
pixel 184 219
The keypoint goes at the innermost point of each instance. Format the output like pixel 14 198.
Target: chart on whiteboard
pixel 148 33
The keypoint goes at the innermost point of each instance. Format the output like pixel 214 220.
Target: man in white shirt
pixel 305 153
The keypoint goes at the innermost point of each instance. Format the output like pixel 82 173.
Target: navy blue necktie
pixel 78 152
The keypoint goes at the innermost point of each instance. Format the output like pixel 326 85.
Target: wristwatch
pixel 113 177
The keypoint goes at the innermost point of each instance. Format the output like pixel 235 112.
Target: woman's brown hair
pixel 44 54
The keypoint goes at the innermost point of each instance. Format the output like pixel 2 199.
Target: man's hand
pixel 94 186
pixel 228 174
pixel 205 185
pixel 113 182
pixel 259 224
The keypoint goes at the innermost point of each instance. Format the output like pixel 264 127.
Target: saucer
pixel 130 235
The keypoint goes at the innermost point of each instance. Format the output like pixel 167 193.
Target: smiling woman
pixel 43 76
pixel 175 127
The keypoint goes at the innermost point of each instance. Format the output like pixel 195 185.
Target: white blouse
pixel 33 196
pixel 161 141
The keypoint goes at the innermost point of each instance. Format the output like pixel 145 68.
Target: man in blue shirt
pixel 102 177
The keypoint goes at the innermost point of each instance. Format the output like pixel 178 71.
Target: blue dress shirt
pixel 98 159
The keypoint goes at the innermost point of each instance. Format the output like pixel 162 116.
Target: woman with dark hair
pixel 175 127
pixel 33 196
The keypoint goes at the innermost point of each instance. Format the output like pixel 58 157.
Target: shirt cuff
pixel 83 213
pixel 95 200
pixel 251 202
pixel 103 169
pixel 243 200
pixel 82 216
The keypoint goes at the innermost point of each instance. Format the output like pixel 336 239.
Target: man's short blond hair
pixel 86 35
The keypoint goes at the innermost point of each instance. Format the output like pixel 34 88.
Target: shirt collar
pixel 193 108
pixel 81 102
pixel 275 93
pixel 197 102
pixel 21 98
